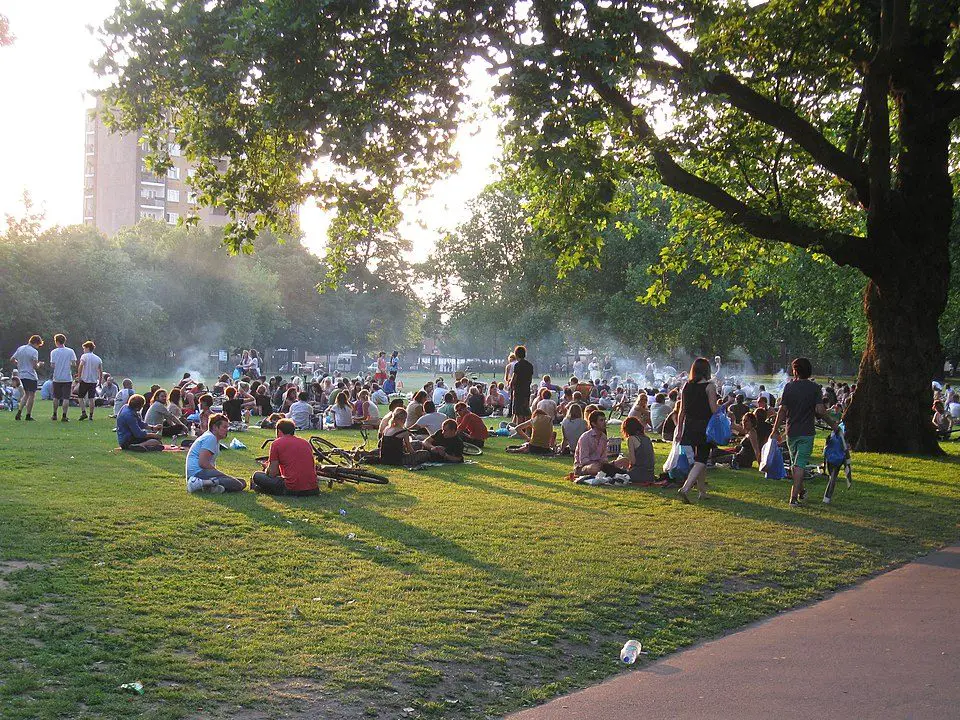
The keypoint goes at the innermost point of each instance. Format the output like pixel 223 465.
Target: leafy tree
pixel 825 126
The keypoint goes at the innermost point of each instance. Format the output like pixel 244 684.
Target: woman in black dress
pixel 698 402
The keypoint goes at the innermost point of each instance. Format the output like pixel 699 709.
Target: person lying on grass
pixel 201 467
pixel 539 434
pixel 290 469
pixel 471 428
pixel 590 457
pixel 132 431
pixel 445 445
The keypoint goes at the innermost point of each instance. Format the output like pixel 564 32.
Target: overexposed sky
pixel 44 77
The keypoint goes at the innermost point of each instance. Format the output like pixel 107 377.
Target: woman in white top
pixel 370 417
pixel 342 412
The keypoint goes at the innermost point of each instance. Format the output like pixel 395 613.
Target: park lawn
pixel 458 591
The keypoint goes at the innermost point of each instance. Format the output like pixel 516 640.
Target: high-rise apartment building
pixel 118 190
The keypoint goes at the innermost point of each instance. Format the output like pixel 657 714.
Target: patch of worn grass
pixel 466 591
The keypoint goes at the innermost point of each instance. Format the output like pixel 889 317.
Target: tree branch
pixel 775 115
pixel 842 248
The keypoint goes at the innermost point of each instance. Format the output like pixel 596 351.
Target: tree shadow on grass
pixel 865 535
pixel 476 481
pixel 363 518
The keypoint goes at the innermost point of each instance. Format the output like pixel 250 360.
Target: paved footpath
pixel 888 648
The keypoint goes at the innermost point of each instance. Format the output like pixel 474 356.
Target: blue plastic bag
pixel 835 450
pixel 718 429
pixel 236 373
pixel 677 464
pixel 771 461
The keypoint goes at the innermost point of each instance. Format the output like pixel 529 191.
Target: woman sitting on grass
pixel 395 445
pixel 369 415
pixel 342 412
pixel 640 409
pixel 941 421
pixel 638 459
pixel 572 427
pixel 494 400
pixel 748 452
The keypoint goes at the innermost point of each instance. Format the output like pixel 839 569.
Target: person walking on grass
pixel 62 362
pixel 698 402
pixel 27 360
pixel 90 375
pixel 800 405
pixel 202 473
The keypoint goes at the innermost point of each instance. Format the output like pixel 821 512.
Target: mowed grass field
pixel 456 592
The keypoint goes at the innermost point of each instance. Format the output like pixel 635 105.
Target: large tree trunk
pixel 907 293
pixel 890 411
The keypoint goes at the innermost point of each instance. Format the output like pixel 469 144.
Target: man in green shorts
pixel 801 404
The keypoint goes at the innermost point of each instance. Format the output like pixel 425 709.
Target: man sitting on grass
pixel 202 473
pixel 471 428
pixel 539 434
pixel 590 456
pixel 132 432
pixel 445 445
pixel 290 469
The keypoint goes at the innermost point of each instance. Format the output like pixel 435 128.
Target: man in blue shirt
pixel 202 474
pixel 132 432
pixel 390 384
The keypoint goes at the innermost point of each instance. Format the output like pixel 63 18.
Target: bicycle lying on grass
pixel 336 464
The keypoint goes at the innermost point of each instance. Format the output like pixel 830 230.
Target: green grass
pixel 466 591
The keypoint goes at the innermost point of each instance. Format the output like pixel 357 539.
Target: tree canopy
pixel 825 126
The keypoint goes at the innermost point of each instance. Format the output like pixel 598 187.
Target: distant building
pixel 118 190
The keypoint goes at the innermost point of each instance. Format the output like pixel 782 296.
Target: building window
pixel 173 196
pixel 172 218
pixel 152 214
pixel 173 173
pixel 191 197
pixel 174 149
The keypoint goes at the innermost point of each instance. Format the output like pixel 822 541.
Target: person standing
pixel 28 360
pixel 520 380
pixel 800 405
pixel 395 363
pixel 698 402
pixel 381 373
pixel 90 374
pixel 62 362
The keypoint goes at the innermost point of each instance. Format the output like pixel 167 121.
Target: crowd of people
pixel 436 422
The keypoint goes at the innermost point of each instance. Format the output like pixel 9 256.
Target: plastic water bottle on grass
pixel 630 651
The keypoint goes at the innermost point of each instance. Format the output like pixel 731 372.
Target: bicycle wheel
pixel 359 475
pixel 471 449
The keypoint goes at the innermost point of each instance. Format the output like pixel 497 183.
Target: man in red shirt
pixel 470 426
pixel 290 469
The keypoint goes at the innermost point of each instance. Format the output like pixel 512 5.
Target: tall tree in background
pixel 822 125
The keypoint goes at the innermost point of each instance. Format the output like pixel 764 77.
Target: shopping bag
pixel 771 460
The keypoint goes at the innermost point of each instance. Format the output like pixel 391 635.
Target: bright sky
pixel 43 79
